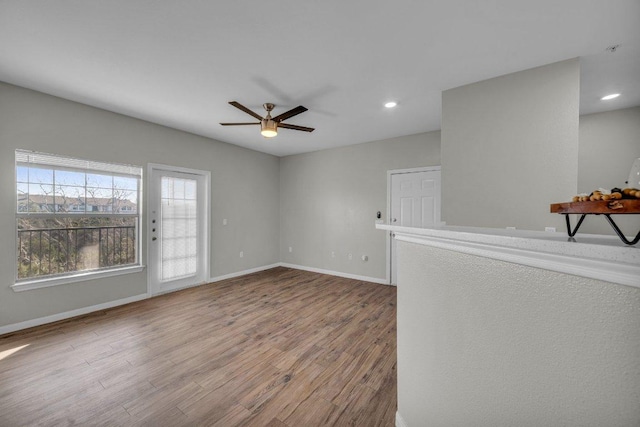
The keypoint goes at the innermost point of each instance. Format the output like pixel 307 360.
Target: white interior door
pixel 414 202
pixel 177 232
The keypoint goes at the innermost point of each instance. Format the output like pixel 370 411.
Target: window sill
pixel 80 277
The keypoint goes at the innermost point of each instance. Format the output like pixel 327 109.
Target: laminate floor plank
pixel 145 372
pixel 210 407
pixel 275 423
pixel 236 415
pixel 239 365
pixel 283 404
pixel 159 399
pixel 381 406
pixel 314 411
pixel 278 348
pixel 349 413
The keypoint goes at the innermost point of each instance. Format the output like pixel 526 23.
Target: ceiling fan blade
pixel 239 124
pixel 293 112
pixel 294 127
pixel 245 109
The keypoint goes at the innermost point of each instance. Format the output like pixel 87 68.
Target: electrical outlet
pixel 241 254
pixel 333 254
pixel 350 256
pixel 290 249
pixel 550 229
pixel 224 221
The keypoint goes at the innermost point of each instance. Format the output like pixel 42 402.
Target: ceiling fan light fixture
pixel 268 128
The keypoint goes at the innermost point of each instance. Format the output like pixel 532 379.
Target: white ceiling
pixel 178 63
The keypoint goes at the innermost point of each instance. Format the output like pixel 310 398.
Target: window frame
pixel 37 282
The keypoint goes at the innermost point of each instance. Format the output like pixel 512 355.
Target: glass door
pixel 177 229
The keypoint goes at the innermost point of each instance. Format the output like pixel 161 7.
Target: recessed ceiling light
pixel 608 97
pixel 390 104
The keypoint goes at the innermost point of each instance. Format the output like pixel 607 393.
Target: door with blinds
pixel 177 228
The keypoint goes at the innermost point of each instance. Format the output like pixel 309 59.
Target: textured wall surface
pixel 510 148
pixel 244 189
pixel 329 200
pixel 483 342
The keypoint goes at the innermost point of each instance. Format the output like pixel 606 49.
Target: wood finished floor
pixel 276 348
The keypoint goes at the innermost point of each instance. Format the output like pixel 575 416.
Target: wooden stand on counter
pixel 600 207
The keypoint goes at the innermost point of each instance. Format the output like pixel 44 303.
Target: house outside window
pixel 74 216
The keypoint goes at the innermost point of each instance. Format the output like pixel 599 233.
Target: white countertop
pixel 595 256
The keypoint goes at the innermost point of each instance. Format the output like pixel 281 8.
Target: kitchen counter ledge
pixel 587 255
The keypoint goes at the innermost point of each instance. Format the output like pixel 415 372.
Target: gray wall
pixel 609 142
pixel 483 342
pixel 329 199
pixel 326 201
pixel 510 148
pixel 245 190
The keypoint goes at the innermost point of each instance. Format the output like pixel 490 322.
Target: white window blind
pixel 52 184
pixel 35 159
pixel 179 228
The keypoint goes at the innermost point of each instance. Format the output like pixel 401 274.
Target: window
pixel 74 216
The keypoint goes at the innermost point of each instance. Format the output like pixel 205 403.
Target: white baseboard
pixel 399 421
pixel 181 288
pixel 336 273
pixel 243 272
pixel 69 314
pixel 299 267
pixel 218 278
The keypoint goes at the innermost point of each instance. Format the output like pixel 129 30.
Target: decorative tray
pixel 599 207
pixel 622 206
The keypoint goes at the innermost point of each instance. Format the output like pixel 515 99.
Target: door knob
pixel 154 238
pixel 394 220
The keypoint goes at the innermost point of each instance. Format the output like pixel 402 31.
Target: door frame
pixel 206 175
pixel 390 233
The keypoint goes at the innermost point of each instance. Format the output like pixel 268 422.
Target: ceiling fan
pixel 269 125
